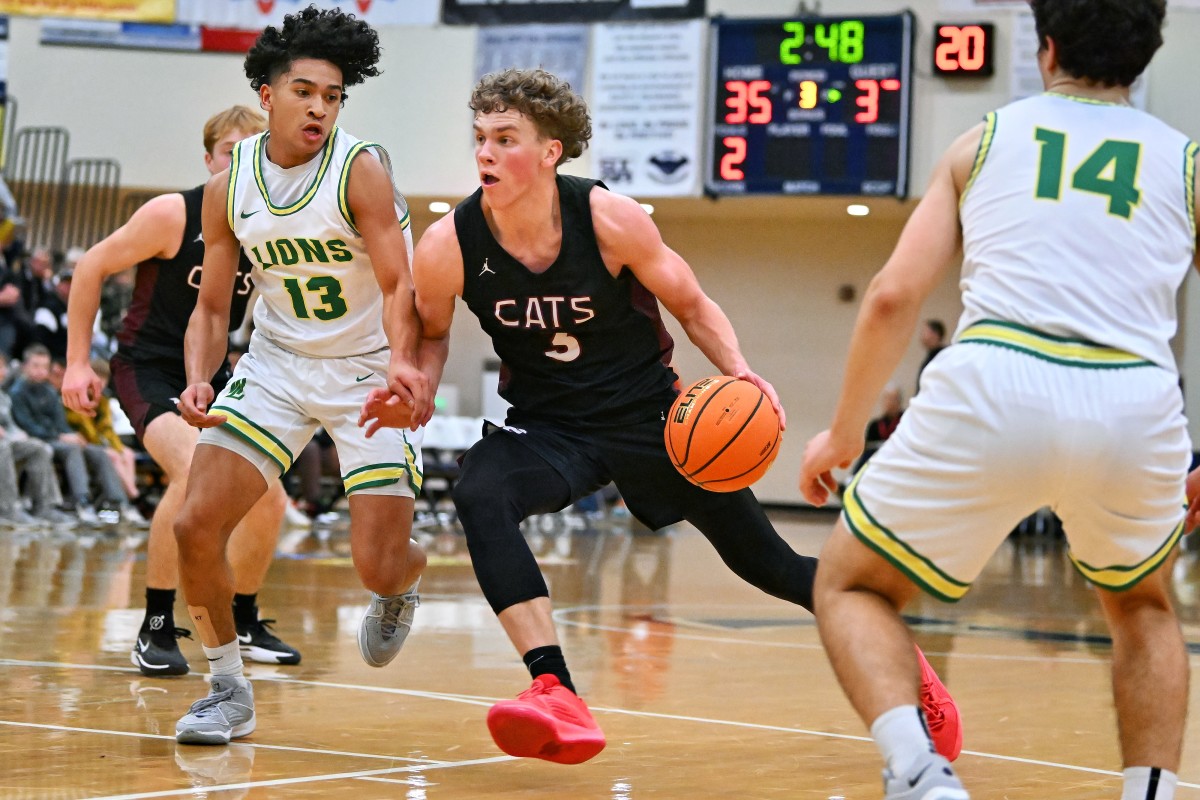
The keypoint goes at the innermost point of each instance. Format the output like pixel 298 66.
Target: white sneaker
pixel 386 625
pixel 295 518
pixel 931 778
pixel 226 713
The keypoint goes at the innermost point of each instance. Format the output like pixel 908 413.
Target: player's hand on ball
pixel 383 409
pixel 767 389
pixel 822 455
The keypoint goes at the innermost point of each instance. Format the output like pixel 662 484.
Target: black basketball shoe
pixel 259 644
pixel 156 653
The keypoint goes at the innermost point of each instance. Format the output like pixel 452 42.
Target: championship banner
pixel 647 102
pixel 515 12
pixel 254 15
pixel 128 10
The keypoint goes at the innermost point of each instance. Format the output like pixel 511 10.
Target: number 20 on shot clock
pixel 816 105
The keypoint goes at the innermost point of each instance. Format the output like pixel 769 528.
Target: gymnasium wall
pixel 774 264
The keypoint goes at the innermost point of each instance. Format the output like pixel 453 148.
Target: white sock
pixel 225 660
pixel 901 737
pixel 1149 783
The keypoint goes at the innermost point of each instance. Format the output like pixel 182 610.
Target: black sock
pixel 245 609
pixel 160 603
pixel 549 660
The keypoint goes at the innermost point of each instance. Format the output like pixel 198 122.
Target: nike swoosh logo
pixel 251 214
pixel 364 377
pixel 914 781
pixel 244 639
pixel 143 646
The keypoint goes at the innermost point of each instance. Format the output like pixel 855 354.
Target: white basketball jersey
pixel 318 292
pixel 1079 221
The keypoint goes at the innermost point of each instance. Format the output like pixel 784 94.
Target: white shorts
pixel 277 399
pixel 999 431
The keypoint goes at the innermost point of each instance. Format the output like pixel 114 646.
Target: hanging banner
pixel 254 15
pixel 646 103
pixel 561 49
pixel 128 10
pixel 510 12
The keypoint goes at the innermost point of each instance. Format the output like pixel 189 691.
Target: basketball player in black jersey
pixel 163 239
pixel 566 277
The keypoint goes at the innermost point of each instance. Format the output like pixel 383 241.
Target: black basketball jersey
pixel 165 293
pixel 576 344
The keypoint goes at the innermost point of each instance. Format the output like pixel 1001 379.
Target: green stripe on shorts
pixel 919 569
pixel 1118 579
pixel 1056 349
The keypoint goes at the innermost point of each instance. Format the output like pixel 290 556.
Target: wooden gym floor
pixel 705 687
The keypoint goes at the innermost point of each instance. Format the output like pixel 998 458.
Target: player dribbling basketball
pixel 566 278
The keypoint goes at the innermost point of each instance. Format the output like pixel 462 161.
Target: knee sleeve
pixel 501 484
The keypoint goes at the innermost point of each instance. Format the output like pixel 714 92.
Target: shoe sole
pixel 215 737
pixel 156 670
pixel 263 656
pixel 527 733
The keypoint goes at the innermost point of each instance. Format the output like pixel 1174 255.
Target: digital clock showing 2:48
pixel 814 106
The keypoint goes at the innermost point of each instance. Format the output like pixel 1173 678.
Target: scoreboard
pixel 810 106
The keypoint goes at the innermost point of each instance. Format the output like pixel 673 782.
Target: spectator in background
pixel 880 429
pixel 50 317
pixel 22 455
pixel 35 279
pixel 12 225
pixel 10 310
pixel 933 339
pixel 37 408
pixel 98 431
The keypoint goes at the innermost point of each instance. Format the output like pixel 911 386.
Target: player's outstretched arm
pixel 888 317
pixel 438 279
pixel 154 231
pixel 371 200
pixel 629 238
pixel 206 340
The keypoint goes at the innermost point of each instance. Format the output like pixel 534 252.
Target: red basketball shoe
pixel 546 721
pixel 941 712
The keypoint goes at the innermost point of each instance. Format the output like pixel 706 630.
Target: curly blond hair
pixel 555 109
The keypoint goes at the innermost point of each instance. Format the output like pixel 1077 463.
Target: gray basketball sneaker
pixel 227 713
pixel 386 626
pixel 931 778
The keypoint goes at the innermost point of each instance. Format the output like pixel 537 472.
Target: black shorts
pixel 634 457
pixel 148 388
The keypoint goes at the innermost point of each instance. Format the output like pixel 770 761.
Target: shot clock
pixel 963 49
pixel 810 106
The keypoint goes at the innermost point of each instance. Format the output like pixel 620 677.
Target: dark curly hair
pixel 325 34
pixel 555 109
pixel 1107 41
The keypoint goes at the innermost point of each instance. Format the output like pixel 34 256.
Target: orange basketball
pixel 722 433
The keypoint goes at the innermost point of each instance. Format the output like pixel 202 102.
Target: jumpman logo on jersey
pixel 486 268
pixel 200 238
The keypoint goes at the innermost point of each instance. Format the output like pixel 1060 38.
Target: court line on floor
pixel 257 745
pixel 487 701
pixel 560 616
pixel 337 776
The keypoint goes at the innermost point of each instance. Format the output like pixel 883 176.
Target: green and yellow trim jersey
pixel 319 294
pixel 1077 224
